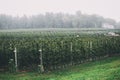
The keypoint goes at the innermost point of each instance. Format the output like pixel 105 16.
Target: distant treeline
pixel 56 20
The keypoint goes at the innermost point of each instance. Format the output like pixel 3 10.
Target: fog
pixel 106 8
pixel 59 14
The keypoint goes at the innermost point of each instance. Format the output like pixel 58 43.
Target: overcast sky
pixel 106 8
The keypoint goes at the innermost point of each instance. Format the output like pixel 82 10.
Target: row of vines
pixel 58 52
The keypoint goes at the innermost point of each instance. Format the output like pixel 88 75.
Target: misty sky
pixel 106 8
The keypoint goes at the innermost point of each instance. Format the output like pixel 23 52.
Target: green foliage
pixel 11 66
pixel 56 48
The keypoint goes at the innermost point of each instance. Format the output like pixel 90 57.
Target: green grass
pixel 107 69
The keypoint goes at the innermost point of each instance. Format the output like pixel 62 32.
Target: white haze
pixel 106 8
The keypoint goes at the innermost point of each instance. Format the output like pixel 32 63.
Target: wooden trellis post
pixel 16 65
pixel 41 61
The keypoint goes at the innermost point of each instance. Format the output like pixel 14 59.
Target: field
pixel 67 54
pixel 106 69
